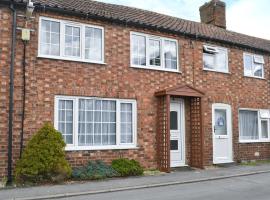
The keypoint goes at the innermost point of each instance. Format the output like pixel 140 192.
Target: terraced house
pixel 124 82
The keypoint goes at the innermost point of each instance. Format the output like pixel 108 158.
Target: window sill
pixel 212 70
pixel 260 78
pixel 85 148
pixel 253 141
pixel 156 68
pixel 71 59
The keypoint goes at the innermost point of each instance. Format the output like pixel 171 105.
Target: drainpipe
pixel 11 95
pixel 23 97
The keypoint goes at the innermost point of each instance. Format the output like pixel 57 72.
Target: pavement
pixel 77 189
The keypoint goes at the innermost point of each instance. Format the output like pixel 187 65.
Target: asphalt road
pixel 254 187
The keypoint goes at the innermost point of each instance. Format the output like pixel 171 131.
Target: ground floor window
pixel 254 125
pixel 96 123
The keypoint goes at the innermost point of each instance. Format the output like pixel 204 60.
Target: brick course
pixel 116 79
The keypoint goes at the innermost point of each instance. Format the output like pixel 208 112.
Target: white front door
pixel 222 133
pixel 177 133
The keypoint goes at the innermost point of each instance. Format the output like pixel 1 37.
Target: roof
pixel 147 19
pixel 183 90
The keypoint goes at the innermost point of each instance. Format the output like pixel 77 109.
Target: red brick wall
pixel 47 78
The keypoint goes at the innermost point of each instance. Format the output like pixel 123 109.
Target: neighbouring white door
pixel 177 133
pixel 222 133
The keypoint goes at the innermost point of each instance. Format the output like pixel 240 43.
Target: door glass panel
pixel 173 120
pixel 174 144
pixel 220 122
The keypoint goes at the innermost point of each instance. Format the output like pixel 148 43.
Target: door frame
pixel 182 129
pixel 229 129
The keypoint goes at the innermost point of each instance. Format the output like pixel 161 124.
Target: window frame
pixel 244 63
pixel 119 145
pixel 162 58
pixel 62 55
pixel 227 71
pixel 261 139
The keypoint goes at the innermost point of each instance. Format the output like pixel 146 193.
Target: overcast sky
pixel 251 17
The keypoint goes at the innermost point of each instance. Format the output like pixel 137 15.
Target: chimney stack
pixel 214 12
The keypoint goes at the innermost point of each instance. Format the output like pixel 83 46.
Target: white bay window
pixel 60 39
pixel 254 125
pixel 95 123
pixel 153 52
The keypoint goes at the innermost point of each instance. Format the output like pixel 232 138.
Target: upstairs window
pixel 215 59
pixel 253 65
pixel 59 39
pixel 152 52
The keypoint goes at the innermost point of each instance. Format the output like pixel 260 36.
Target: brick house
pixel 124 82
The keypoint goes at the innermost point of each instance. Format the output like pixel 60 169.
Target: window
pixel 152 52
pixel 50 38
pixel 94 123
pixel 254 125
pixel 253 65
pixel 215 59
pixel 59 39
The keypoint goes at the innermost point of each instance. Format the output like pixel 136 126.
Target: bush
pixel 94 170
pixel 126 167
pixel 43 158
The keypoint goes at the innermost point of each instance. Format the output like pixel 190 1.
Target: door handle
pixel 214 129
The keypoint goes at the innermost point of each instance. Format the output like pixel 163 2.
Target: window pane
pixel 170 54
pixel 97 122
pixel 173 120
pixel 65 120
pixel 221 61
pixel 154 48
pixel 264 127
pixel 220 122
pixel 50 38
pixel 72 41
pixel 209 61
pixel 138 50
pixel 248 71
pixel 258 70
pixel 126 123
pixel 93 44
pixel 248 122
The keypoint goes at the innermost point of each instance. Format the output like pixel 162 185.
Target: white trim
pixel 227 71
pixel 62 41
pixel 162 59
pixel 260 140
pixel 229 136
pixel 75 146
pixel 244 63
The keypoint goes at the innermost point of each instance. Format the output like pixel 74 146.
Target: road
pixel 254 187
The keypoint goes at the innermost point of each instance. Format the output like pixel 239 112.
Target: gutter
pixel 11 92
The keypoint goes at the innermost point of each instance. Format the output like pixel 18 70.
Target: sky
pixel 250 17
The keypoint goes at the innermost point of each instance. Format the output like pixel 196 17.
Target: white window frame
pixel 119 145
pixel 259 127
pixel 214 49
pixel 253 60
pixel 62 41
pixel 162 58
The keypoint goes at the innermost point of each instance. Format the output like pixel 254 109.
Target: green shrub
pixel 94 170
pixel 126 167
pixel 43 158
